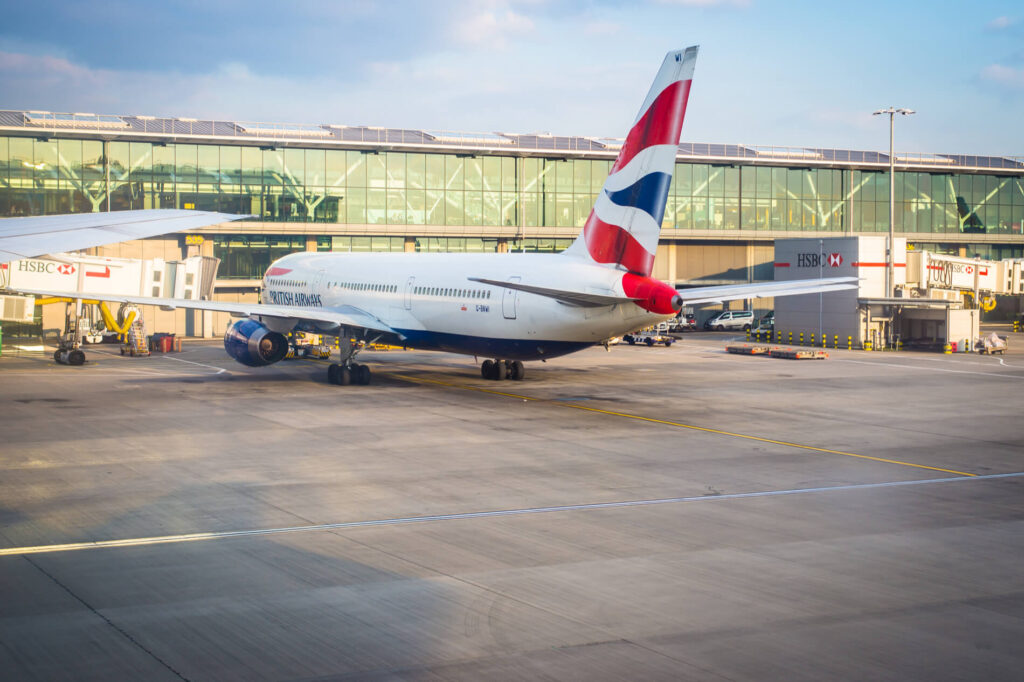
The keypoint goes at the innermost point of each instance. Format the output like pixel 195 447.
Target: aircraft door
pixel 509 300
pixel 408 292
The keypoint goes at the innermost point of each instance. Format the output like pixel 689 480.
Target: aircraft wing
pixel 731 292
pixel 40 235
pixel 345 316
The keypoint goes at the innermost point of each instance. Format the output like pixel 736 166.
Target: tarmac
pixel 646 513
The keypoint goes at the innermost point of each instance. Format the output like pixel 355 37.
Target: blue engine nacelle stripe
pixel 252 344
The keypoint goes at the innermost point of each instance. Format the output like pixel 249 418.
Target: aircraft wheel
pixel 487 368
pixel 332 374
pixel 344 376
pixel 76 357
pixel 499 371
pixel 361 375
pixel 516 370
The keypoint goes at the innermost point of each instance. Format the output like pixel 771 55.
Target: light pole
pixel 890 258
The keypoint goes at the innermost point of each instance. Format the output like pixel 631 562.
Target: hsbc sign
pixel 816 260
pixel 47 267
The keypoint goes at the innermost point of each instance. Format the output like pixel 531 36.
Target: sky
pixel 770 72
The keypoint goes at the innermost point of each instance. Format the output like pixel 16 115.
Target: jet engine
pixel 252 344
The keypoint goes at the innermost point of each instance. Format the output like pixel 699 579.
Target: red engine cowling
pixel 654 296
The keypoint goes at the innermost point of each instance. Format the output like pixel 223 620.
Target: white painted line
pixel 997 375
pixel 219 535
pixel 220 370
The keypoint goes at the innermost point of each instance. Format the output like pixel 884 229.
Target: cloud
pixel 491 28
pixel 1000 23
pixel 601 28
pixel 1004 75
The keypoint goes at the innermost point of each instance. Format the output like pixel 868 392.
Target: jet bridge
pixel 73 274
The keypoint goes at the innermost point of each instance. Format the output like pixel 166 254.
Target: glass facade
pixel 46 176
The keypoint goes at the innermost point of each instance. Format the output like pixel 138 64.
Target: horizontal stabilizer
pixel 732 292
pixel 580 299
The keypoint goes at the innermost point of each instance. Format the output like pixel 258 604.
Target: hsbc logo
pixel 46 266
pixel 814 260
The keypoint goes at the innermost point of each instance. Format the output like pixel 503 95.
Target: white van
pixel 731 319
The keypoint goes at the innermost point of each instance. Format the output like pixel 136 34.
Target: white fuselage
pixel 431 302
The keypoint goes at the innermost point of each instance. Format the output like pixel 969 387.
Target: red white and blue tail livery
pixel 507 306
pixel 625 223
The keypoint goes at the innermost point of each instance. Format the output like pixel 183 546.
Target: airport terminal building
pixel 346 188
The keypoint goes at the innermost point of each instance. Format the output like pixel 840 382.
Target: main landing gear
pixel 348 372
pixel 352 373
pixel 497 370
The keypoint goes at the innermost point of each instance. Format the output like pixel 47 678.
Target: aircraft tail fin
pixel 623 227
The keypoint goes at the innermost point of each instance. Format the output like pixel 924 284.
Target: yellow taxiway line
pixel 675 424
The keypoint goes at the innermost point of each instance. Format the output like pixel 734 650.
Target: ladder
pixel 136 342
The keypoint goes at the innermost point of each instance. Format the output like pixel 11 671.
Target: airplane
pixel 505 307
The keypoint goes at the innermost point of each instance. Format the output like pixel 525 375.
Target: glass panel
pixel 252 165
pixel 508 174
pixel 335 168
pixel 492 208
pixel 273 167
pixel 531 175
pixel 208 163
pixel 434 171
pixel 492 173
pixel 454 174
pixel 581 208
pixel 732 182
pixel 415 166
pixel 474 174
pixel 454 208
pixel 683 181
pixel 316 167
pixel 474 208
pixel 119 160
pixel 376 170
pixel 563 174
pixel 598 174
pixel 531 209
pixel 376 206
pixel 230 165
pixel 396 170
pixel 508 209
pixel 416 210
pixel 397 207
pixel 581 175
pixel 434 207
pixel 355 205
pixel 564 210
pixel 294 167
pixel 356 169
pixel 700 180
